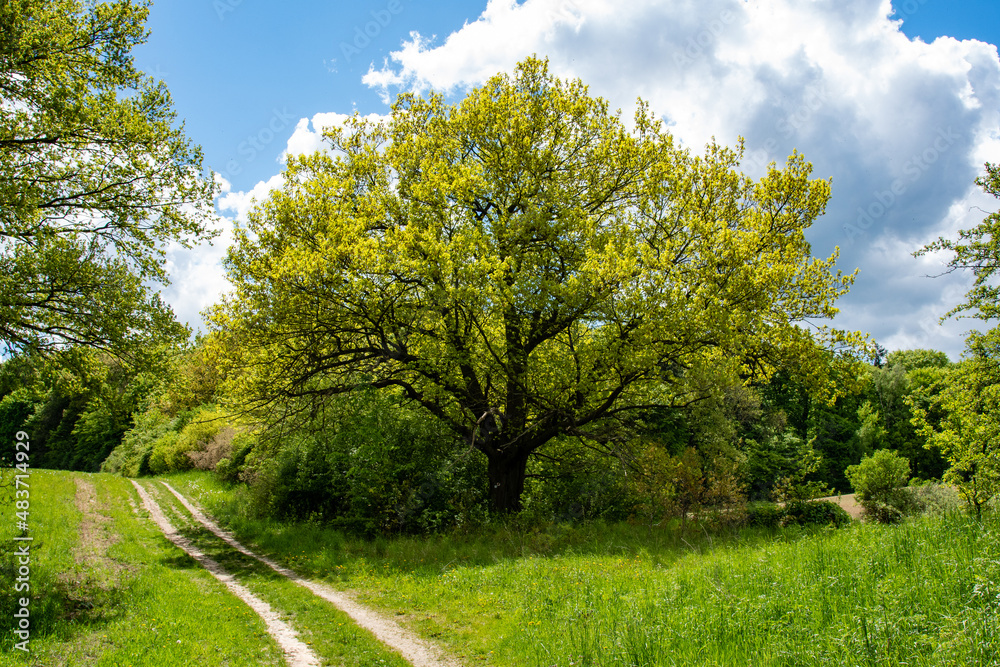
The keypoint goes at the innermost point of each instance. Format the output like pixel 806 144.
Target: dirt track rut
pixel 297 654
pixel 417 651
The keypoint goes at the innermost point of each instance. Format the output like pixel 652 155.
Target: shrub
pixel 158 444
pixel 219 447
pixel 763 515
pixel 796 513
pixel 131 457
pixel 163 453
pixel 687 486
pixel 816 512
pixel 879 483
pixel 201 443
pixel 936 498
pixel 367 464
pixel 228 468
pixel 780 468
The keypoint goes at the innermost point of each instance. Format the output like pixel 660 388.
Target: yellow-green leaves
pixel 522 265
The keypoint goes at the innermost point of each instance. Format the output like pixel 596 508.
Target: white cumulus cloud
pixel 902 127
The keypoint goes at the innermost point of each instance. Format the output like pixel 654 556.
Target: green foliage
pixel 369 464
pixel 229 467
pixel 159 444
pixel 95 435
pixel 794 484
pixel 191 378
pixel 963 419
pixel 573 482
pixel 871 433
pixel 131 457
pixel 165 455
pixel 977 250
pixel 873 411
pixel 523 266
pixel 796 513
pixel 911 360
pixel 833 433
pixel 685 486
pixel 967 431
pixel 762 514
pixel 15 409
pixel 75 405
pixel 95 180
pixel 811 437
pixel 777 458
pixel 936 498
pixel 817 512
pixel 879 482
pixel 886 415
pixel 179 420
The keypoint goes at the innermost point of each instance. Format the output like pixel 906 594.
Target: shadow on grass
pixel 63 606
pixel 315 551
pixel 235 563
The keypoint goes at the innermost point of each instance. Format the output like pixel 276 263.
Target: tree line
pixel 515 303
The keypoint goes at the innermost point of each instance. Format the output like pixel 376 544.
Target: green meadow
pixel 141 602
pixel 117 592
pixel 108 589
pixel 926 592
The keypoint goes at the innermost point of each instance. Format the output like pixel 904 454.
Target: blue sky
pixel 902 126
pixel 235 66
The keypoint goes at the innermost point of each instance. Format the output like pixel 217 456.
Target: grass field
pixel 107 588
pixel 117 593
pixel 923 593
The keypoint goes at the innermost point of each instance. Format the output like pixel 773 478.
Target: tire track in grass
pixel 416 650
pixel 297 653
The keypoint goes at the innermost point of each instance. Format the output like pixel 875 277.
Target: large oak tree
pixel 96 179
pixel 523 266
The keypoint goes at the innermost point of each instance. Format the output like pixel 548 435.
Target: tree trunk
pixel 506 474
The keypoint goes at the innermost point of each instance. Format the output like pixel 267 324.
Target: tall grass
pixel 926 592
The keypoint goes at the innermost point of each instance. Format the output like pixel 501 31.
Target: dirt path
pixel 419 652
pixel 850 505
pixel 297 654
pixel 95 536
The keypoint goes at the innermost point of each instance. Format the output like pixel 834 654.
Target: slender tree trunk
pixel 506 475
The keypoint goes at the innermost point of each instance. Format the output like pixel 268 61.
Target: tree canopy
pixel 95 179
pixel 966 426
pixel 977 250
pixel 522 266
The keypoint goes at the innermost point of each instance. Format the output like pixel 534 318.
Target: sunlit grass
pixel 923 593
pixel 331 634
pixel 145 604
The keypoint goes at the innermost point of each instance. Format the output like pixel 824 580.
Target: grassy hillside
pixel 923 593
pixel 108 589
